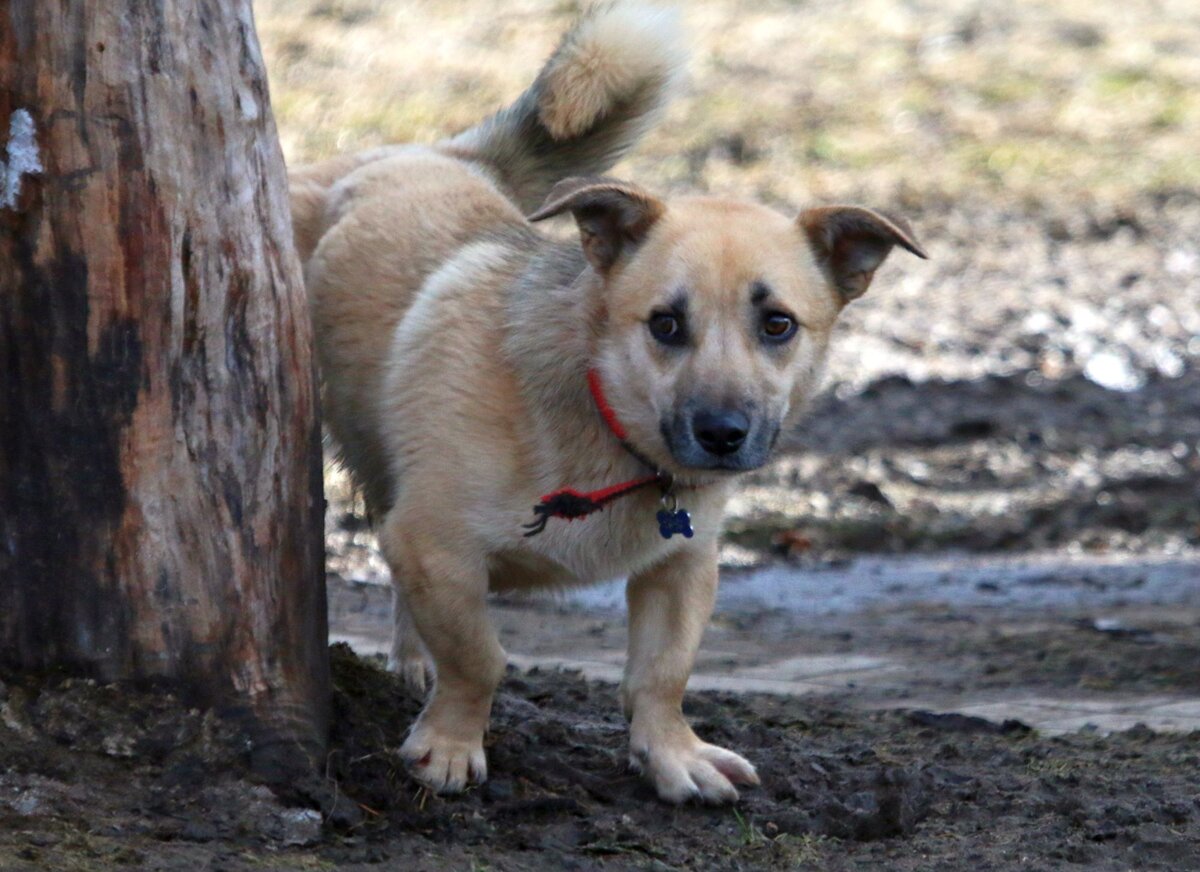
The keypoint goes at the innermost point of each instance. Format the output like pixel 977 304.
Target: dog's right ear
pixel 613 216
pixel 850 242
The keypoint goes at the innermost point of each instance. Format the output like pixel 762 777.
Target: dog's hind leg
pixel 445 585
pixel 408 657
pixel 669 606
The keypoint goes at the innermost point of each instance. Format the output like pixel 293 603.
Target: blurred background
pixel 1008 452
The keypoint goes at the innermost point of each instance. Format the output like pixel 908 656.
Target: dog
pixel 523 412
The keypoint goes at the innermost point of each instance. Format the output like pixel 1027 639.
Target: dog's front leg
pixel 669 606
pixel 445 586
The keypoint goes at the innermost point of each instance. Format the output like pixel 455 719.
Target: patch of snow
pixel 22 157
pixel 1112 371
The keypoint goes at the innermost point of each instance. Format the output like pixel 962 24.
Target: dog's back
pixel 371 228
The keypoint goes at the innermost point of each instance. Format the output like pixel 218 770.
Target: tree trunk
pixel 160 480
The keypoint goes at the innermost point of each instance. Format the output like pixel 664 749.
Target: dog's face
pixel 715 331
pixel 715 316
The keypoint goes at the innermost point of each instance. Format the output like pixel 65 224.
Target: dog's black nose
pixel 721 432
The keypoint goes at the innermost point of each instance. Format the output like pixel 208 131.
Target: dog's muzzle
pixel 719 437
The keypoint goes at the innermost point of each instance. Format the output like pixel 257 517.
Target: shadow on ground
pixel 1003 462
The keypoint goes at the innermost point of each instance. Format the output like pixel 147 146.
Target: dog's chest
pixel 621 540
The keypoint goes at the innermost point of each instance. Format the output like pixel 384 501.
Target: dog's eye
pixel 777 327
pixel 667 328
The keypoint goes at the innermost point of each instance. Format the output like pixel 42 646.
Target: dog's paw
pixel 415 670
pixel 442 763
pixel 693 770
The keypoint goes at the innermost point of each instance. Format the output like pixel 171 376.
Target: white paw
pixel 415 670
pixel 693 770
pixel 442 763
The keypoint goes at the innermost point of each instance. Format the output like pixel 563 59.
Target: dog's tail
pixel 603 87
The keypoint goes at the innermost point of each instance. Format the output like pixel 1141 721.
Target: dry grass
pixel 885 100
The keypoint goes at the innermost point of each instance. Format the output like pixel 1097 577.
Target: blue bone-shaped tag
pixel 670 523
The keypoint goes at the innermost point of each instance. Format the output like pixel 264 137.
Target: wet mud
pixel 157 788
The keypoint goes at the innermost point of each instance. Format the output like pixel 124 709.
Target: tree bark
pixel 160 473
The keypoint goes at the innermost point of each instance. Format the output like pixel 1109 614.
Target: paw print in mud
pixel 670 523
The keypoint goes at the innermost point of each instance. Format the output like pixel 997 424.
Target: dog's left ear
pixel 613 216
pixel 850 242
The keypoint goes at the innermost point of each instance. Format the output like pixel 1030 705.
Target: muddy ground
pixel 101 778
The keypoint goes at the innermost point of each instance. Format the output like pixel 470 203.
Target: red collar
pixel 568 503
pixel 606 411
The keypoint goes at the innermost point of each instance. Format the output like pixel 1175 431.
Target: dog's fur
pixel 454 341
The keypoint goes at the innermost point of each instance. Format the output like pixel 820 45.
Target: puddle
pixel 1026 623
pixel 1051 581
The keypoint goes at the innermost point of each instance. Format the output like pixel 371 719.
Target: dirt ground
pixel 101 777
pixel 1031 392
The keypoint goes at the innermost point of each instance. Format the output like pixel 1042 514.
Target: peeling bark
pixel 160 479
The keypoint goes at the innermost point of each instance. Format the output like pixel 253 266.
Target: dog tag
pixel 672 522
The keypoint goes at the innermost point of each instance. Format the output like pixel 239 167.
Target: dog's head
pixel 714 316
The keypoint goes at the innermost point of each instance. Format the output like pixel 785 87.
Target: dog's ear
pixel 850 242
pixel 613 216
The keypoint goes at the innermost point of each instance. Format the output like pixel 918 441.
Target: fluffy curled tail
pixel 603 87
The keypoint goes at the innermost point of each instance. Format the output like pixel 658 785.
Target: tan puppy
pixel 456 343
